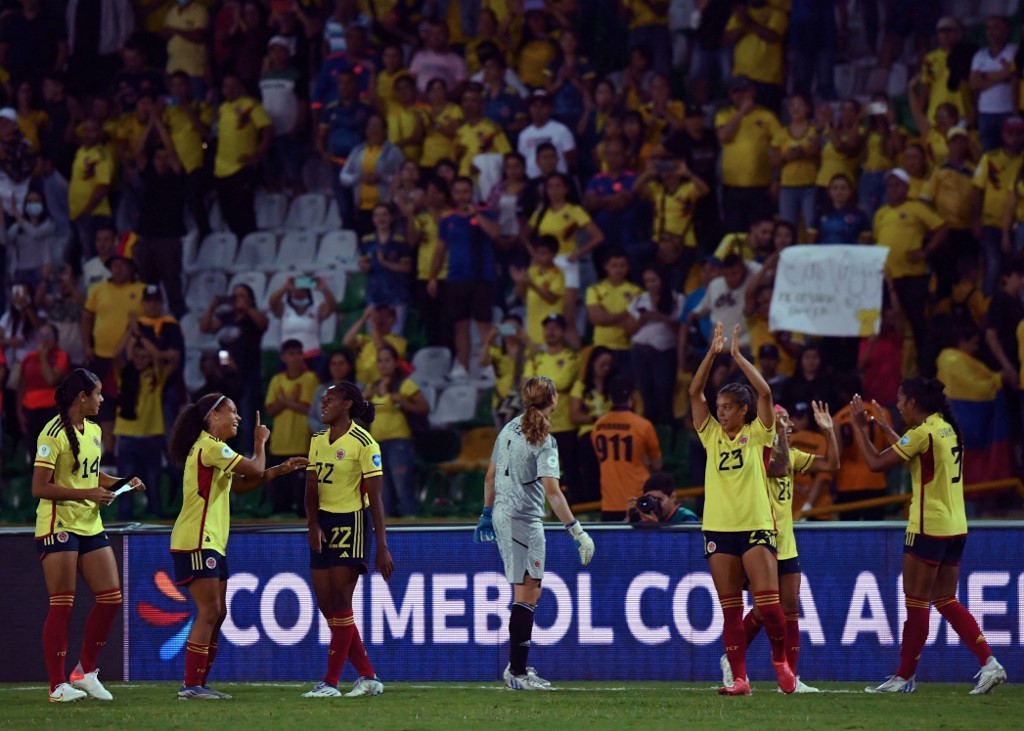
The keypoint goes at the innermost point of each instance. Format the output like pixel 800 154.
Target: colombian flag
pixel 975 394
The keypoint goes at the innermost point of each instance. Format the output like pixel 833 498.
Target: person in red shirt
pixel 41 371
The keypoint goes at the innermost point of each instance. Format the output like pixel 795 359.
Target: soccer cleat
pixel 723 662
pixel 990 675
pixel 366 686
pixel 802 687
pixel 740 686
pixel 323 690
pixel 198 693
pixel 220 696
pixel 895 684
pixel 529 681
pixel 90 683
pixel 65 693
pixel 787 680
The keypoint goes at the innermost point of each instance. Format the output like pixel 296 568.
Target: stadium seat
pixel 430 394
pixel 317 174
pixel 272 337
pixel 216 252
pixel 430 366
pixel 203 286
pixel 257 281
pixel 270 211
pixel 217 222
pixel 297 252
pixel 332 219
pixel 193 376
pixel 475 454
pixel 306 212
pixel 189 248
pixel 329 329
pixel 276 282
pixel 339 249
pixel 335 279
pixel 257 252
pixel 355 293
pixel 456 403
pixel 195 339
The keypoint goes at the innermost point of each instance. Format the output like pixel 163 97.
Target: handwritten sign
pixel 829 290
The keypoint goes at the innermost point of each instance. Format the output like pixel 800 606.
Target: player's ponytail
pixel 538 394
pixel 190 424
pixel 77 381
pixel 930 396
pixel 361 409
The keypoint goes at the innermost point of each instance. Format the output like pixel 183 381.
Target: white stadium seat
pixel 306 212
pixel 256 280
pixel 431 366
pixel 216 252
pixel 257 252
pixel 204 286
pixel 456 403
pixel 195 339
pixel 297 251
pixel 339 249
pixel 270 210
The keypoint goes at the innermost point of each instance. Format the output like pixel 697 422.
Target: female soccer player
pixel 343 492
pixel 937 528
pixel 199 539
pixel 69 534
pixel 785 462
pixel 523 472
pixel 739 525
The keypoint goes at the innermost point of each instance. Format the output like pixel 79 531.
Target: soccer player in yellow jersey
pixel 937 526
pixel 199 539
pixel 739 524
pixel 70 487
pixel 785 462
pixel 344 481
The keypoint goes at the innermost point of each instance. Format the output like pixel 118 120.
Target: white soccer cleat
pixel 198 693
pixel 365 686
pixel 220 696
pixel 802 687
pixel 895 684
pixel 723 663
pixel 990 675
pixel 529 681
pixel 322 690
pixel 65 693
pixel 90 683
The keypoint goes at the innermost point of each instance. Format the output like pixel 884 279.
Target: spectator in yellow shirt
pixel 91 175
pixel 951 190
pixel 607 304
pixel 994 181
pixel 541 286
pixel 189 122
pixel 756 31
pixel 935 72
pixel 185 29
pixel 796 152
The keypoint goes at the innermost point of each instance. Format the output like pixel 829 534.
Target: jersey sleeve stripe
pixel 54 430
pixel 44 463
pixel 231 465
pixel 375 473
pixel 704 425
pixel 903 455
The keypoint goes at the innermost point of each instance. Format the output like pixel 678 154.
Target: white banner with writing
pixel 829 290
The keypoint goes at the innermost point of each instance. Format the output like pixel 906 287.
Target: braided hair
pixel 361 409
pixel 77 381
pixel 930 396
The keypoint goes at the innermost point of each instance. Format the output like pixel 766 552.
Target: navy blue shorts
pixel 205 564
pixel 935 551
pixel 67 541
pixel 348 541
pixel 736 543
pixel 789 566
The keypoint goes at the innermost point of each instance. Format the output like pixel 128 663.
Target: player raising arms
pixel 785 462
pixel 936 529
pixel 70 488
pixel 344 481
pixel 522 473
pixel 199 539
pixel 739 526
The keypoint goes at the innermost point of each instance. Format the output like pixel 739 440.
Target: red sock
pixel 97 626
pixel 966 626
pixel 343 627
pixel 915 634
pixel 752 625
pixel 211 653
pixel 55 636
pixel 767 603
pixel 196 658
pixel 792 640
pixel 358 657
pixel 732 633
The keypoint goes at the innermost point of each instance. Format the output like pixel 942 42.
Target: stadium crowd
pixel 532 190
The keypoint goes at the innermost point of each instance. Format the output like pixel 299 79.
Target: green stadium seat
pixel 355 293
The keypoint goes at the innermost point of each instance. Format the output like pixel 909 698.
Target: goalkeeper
pixel 523 472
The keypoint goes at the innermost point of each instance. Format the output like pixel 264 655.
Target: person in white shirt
pixel 437 60
pixel 724 299
pixel 301 309
pixel 653 328
pixel 545 129
pixel 992 76
pixel 95 270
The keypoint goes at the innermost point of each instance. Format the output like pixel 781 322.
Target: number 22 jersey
pixel 340 467
pixel 736 479
pixel 53 451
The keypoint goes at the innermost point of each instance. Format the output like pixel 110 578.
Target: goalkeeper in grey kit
pixel 523 472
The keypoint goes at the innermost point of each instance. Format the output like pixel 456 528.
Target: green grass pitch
pixel 589 706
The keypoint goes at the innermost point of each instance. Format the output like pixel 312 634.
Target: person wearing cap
pixel 902 225
pixel 934 88
pixel 745 131
pixel 993 74
pixel 437 60
pixel 756 31
pixel 185 29
pixel 284 94
pixel 996 176
pixel 545 129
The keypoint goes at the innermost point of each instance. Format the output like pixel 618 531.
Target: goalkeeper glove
pixel 484 531
pixel 584 543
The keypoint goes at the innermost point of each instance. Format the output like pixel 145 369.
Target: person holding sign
pixel 69 533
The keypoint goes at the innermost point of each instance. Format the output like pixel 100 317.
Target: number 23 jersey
pixel 936 469
pixel 736 480
pixel 53 451
pixel 340 467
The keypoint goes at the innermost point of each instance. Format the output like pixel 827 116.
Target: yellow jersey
pixel 475 139
pixel 614 298
pixel 184 54
pixel 291 434
pixel 936 471
pixel 53 451
pixel 366 361
pixel 240 124
pixel 780 490
pixel 935 73
pixel 187 140
pixel 390 421
pixel 341 466
pixel 644 12
pixel 738 244
pixel 436 144
pixel 902 230
pixel 563 224
pixel 537 308
pixel 875 158
pixel 673 212
pixel 745 162
pixel 110 305
pixel 427 226
pixel 92 168
pixel 562 368
pixel 149 410
pixel 995 177
pixel 205 517
pixel 834 162
pixel 753 56
pixel 596 403
pixel 951 190
pixel 736 481
pixel 803 171
pixel 402 123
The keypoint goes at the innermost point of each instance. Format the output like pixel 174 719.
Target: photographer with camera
pixel 658 503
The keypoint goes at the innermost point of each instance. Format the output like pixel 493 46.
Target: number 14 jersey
pixel 736 480
pixel 53 451
pixel 340 467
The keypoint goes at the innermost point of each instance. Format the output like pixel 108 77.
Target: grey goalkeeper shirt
pixel 519 469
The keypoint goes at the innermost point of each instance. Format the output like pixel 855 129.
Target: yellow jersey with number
pixel 205 517
pixel 53 451
pixel 736 478
pixel 936 471
pixel 780 490
pixel 341 466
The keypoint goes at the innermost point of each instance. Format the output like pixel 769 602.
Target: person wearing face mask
pixel 31 241
pixel 302 306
